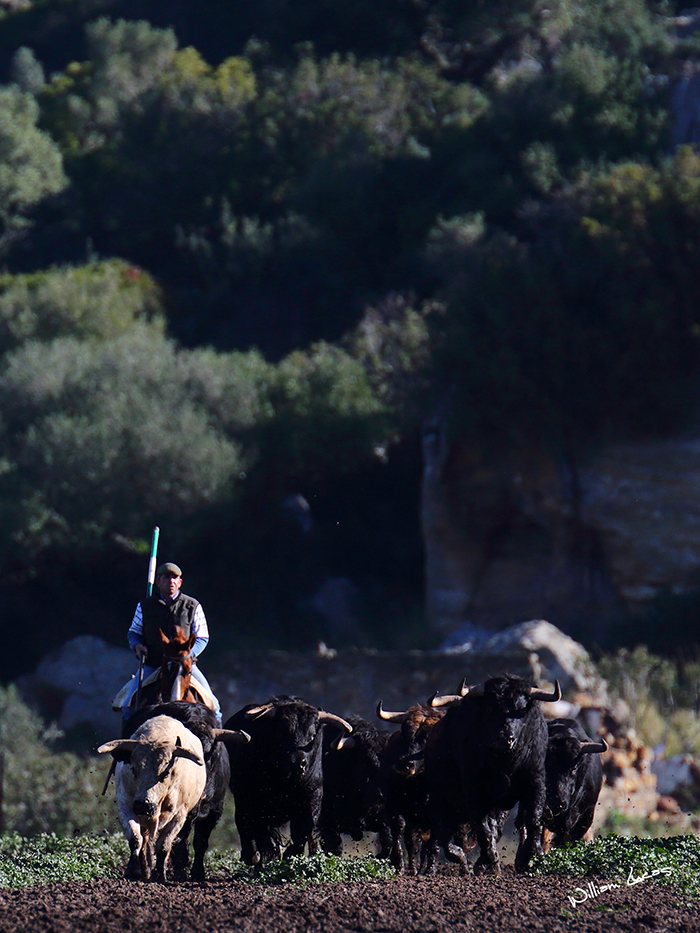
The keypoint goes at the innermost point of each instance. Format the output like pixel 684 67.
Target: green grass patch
pixel 629 860
pixel 302 870
pixel 48 858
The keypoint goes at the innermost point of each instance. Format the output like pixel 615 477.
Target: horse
pixel 174 681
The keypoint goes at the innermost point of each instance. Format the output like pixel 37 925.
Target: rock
pixel 553 655
pixel 679 777
pixel 643 502
pixel 74 685
pixel 337 601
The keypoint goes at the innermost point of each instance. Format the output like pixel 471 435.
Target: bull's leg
pixel 332 841
pixel 147 856
pixel 134 869
pixel 249 850
pixel 532 805
pixel 488 833
pixel 302 831
pixel 303 826
pixel 582 827
pixel 202 831
pixel 429 854
pixel 268 847
pixel 180 853
pixel 443 834
pixel 464 838
pixel 385 839
pixel 166 837
pixel 398 828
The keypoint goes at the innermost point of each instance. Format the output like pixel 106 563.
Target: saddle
pixel 204 696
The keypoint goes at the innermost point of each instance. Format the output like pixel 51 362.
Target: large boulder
pixel 74 685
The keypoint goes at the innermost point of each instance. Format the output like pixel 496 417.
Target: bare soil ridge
pixel 445 904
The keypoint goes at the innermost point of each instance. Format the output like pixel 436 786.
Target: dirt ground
pixel 434 905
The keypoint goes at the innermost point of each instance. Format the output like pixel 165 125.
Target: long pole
pixel 152 561
pixel 149 589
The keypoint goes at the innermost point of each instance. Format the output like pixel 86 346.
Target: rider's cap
pixel 168 570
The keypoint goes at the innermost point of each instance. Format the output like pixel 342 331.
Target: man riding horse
pixel 166 611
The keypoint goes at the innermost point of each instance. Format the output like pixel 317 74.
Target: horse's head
pixel 177 647
pixel 177 664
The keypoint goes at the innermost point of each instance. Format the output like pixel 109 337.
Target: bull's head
pixel 566 754
pixel 151 765
pixel 298 731
pixel 408 745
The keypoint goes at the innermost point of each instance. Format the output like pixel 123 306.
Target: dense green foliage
pixel 303 870
pixel 45 790
pixel 622 859
pixel 662 695
pixel 247 250
pixel 52 859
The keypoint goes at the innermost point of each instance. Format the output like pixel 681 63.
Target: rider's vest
pixel 157 616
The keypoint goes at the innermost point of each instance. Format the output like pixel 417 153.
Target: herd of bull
pixel 446 780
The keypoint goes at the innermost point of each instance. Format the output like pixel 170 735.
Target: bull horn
pixel 589 748
pixel 390 717
pixel 121 749
pixel 323 716
pixel 345 741
pixel 188 754
pixel 230 735
pixel 257 712
pixel 552 697
pixel 464 688
pixel 437 702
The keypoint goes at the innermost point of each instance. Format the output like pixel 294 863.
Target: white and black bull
pixel 278 777
pixel 202 721
pixel 485 756
pixel 160 780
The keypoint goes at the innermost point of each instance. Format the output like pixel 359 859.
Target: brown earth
pixel 445 904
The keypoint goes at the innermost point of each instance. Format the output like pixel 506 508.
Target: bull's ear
pixel 230 735
pixel 120 749
pixel 163 637
pixel 181 752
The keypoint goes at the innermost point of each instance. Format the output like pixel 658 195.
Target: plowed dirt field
pixel 510 903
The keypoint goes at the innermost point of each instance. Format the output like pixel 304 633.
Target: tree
pixel 31 166
pixel 97 300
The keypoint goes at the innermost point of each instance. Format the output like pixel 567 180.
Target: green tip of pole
pixel 152 560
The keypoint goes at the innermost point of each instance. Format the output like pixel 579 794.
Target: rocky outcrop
pixel 532 537
pixel 76 684
pixel 643 503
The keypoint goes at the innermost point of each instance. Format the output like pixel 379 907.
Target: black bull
pixel 277 777
pixel 485 756
pixel 574 779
